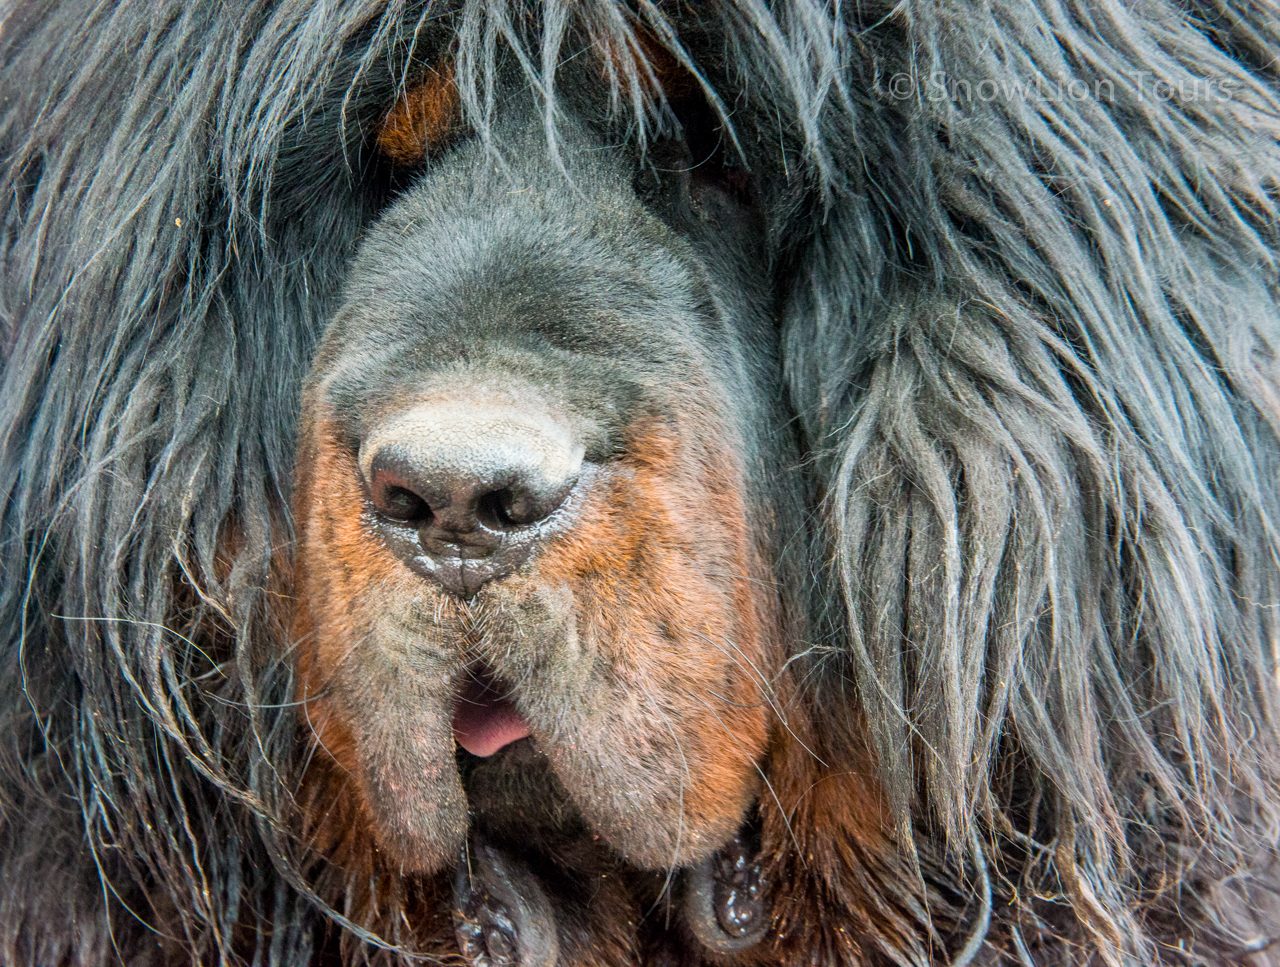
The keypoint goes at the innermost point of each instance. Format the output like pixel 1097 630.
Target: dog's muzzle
pixel 463 494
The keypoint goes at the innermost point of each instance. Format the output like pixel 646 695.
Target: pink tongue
pixel 484 721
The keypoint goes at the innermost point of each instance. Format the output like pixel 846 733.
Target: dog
pixel 622 483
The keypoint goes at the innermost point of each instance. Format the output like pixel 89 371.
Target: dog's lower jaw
pixel 525 827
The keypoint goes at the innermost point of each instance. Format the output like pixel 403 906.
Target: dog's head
pixel 541 501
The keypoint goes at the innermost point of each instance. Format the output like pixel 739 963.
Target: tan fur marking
pixel 336 560
pixel 422 120
pixel 663 568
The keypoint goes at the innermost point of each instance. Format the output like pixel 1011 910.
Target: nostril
pixel 531 500
pixel 394 499
pixel 522 502
pixel 494 510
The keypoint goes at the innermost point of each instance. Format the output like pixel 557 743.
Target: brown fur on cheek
pixel 678 616
pixel 376 700
pixel 422 120
pixel 827 839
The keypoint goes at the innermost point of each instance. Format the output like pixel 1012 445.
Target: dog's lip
pixel 485 719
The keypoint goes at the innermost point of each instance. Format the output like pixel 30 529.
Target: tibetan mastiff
pixel 627 482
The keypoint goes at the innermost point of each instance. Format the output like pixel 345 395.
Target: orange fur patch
pixel 422 120
pixel 339 823
pixel 663 567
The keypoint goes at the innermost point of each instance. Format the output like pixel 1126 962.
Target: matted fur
pixel 1030 336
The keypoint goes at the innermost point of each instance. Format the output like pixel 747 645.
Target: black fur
pixel 1026 265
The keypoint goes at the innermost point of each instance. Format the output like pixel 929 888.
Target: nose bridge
pixel 487 443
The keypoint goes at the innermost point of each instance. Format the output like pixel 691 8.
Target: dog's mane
pixel 1043 444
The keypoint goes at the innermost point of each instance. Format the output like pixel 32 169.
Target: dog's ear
pixel 422 121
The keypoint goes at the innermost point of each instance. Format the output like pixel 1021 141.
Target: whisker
pixel 685 773
pixel 773 793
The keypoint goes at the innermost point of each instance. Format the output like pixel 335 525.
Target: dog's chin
pixel 537 771
pixel 523 819
pixel 516 797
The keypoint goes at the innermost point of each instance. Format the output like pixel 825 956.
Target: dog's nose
pixel 469 491
pixel 463 493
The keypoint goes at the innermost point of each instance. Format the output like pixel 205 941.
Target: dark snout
pixel 464 492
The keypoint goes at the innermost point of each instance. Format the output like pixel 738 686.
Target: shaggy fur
pixel 1020 379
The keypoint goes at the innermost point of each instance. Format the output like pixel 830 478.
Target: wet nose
pixel 463 494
